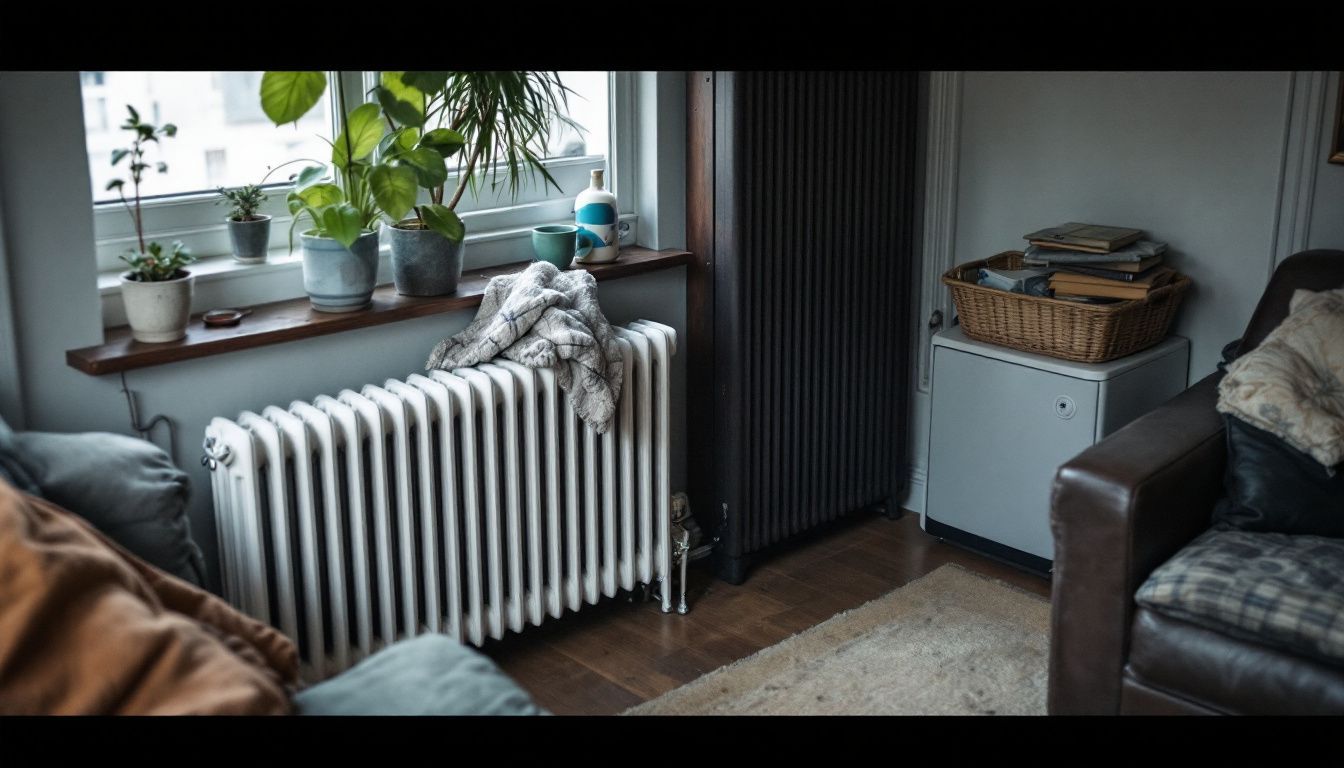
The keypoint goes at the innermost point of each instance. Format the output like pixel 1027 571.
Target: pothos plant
pixel 342 208
pixel 149 264
pixel 495 123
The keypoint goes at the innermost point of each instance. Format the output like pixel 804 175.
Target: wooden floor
pixel 609 657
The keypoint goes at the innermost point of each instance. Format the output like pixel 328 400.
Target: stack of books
pixel 1092 263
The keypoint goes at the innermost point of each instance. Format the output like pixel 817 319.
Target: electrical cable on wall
pixel 144 430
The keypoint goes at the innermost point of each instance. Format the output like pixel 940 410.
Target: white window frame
pixel 498 230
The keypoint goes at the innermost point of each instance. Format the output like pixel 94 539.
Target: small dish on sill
pixel 223 318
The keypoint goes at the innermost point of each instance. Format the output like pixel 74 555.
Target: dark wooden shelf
pixel 295 319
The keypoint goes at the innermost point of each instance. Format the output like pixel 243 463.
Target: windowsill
pixel 294 319
pixel 220 282
pixel 213 268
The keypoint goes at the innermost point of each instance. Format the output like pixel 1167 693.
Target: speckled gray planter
pixel 158 311
pixel 340 279
pixel 250 239
pixel 424 263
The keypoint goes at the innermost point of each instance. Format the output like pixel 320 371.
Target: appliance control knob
pixel 1064 407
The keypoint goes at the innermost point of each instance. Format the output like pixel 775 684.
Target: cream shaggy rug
pixel 950 643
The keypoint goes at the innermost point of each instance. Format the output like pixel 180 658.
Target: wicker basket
pixel 1088 333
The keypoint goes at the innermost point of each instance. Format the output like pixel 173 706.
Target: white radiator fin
pixel 467 503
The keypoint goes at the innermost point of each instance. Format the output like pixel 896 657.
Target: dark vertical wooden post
pixel 700 299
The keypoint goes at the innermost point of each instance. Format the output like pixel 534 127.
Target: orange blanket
pixel 88 628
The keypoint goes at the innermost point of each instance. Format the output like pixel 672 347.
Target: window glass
pixel 587 107
pixel 223 137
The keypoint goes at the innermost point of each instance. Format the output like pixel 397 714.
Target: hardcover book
pixel 1091 237
pixel 1066 284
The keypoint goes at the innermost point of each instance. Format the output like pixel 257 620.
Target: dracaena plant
pixel 343 207
pixel 496 125
pixel 148 264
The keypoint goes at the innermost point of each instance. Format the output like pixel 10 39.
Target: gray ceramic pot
pixel 250 239
pixel 424 263
pixel 340 279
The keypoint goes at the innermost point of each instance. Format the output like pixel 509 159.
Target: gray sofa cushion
pixel 1272 588
pixel 126 487
pixel 11 470
pixel 428 675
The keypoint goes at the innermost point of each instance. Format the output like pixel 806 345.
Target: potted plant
pixel 249 231
pixel 340 250
pixel 157 290
pixel 495 122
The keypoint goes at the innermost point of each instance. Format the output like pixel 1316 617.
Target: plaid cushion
pixel 1272 588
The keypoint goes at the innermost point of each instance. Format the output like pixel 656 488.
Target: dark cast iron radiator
pixel 812 184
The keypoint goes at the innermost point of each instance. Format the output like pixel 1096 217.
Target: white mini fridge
pixel 1003 421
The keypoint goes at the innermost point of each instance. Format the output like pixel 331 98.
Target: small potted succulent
pixel 157 290
pixel 249 231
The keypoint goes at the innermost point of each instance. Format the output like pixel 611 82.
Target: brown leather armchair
pixel 1123 507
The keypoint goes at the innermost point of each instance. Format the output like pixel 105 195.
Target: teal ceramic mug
pixel 562 243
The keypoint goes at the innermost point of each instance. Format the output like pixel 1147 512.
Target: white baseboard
pixel 915 490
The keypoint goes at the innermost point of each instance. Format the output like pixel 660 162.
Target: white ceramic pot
pixel 158 311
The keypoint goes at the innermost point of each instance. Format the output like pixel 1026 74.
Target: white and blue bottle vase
pixel 595 215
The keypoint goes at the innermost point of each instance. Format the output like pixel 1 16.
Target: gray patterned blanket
pixel 544 318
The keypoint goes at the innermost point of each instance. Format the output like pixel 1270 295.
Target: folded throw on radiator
pixel 544 318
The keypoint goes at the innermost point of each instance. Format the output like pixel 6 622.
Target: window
pixel 212 121
pixel 224 139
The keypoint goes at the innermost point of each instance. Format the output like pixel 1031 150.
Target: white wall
pixel 48 243
pixel 1199 160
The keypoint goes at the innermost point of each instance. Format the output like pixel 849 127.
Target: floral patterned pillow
pixel 1292 385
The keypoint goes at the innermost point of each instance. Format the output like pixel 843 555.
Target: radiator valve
pixel 216 453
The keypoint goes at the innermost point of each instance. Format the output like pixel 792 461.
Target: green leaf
pixel 294 203
pixel 430 170
pixel 309 176
pixel 162 167
pixel 135 116
pixel 341 223
pixel 441 219
pixel 115 184
pixel 394 189
pixel 168 129
pixel 401 112
pixel 425 82
pixel 392 142
pixel 287 96
pixel 364 128
pixel 118 154
pixel 403 103
pixel 318 195
pixel 444 141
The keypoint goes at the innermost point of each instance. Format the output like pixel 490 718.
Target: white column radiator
pixel 467 503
